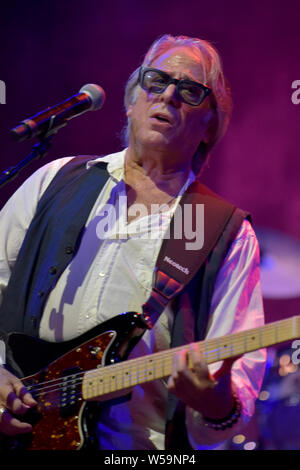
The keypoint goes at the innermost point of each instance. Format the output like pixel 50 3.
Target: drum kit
pixel 275 425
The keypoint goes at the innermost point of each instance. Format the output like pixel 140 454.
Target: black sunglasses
pixel 156 81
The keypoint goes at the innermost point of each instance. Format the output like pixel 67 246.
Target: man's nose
pixel 170 95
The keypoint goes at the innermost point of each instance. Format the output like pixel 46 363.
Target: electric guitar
pixel 64 376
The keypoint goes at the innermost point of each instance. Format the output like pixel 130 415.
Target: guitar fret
pixel 126 374
pixel 295 326
pixel 268 336
pixel 120 381
pixel 106 380
pixel 260 337
pixel 238 342
pixel 252 340
pixel 141 370
pixel 222 349
pixel 212 350
pixel 150 370
pixel 285 333
pixel 157 368
pixel 165 370
pixel 225 350
pixel 112 382
pixel 138 371
pixel 133 377
pixel 100 386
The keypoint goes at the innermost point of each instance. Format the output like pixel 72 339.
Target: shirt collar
pixel 115 168
pixel 115 163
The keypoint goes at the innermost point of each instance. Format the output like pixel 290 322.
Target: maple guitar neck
pixel 99 383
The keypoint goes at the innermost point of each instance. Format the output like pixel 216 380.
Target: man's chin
pixel 158 140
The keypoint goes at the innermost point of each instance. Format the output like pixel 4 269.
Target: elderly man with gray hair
pixel 178 106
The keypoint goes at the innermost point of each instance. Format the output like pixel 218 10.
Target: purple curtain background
pixel 49 49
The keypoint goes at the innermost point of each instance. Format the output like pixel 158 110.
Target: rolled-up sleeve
pixel 237 305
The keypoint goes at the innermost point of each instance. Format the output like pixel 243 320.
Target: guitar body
pixel 62 420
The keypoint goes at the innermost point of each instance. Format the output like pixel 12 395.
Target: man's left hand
pixel 193 384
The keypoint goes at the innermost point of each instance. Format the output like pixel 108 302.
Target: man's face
pixel 162 121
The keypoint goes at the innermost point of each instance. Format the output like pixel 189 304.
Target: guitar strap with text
pixel 180 256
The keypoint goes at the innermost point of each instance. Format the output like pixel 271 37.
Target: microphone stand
pixel 38 151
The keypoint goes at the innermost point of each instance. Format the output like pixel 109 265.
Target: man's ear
pixel 129 111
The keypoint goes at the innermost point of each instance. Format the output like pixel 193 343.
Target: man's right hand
pixel 14 400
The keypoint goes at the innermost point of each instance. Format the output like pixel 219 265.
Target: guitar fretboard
pixel 99 383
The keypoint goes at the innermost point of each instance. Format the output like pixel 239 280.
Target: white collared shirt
pixel 113 274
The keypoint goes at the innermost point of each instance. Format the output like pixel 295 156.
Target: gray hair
pixel 213 77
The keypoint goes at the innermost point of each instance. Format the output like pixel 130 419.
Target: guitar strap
pixel 198 222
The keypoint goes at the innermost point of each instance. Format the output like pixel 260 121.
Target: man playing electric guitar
pixel 72 275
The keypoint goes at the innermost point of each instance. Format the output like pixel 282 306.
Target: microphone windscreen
pixel 96 93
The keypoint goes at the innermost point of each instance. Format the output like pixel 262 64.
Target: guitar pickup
pixel 70 391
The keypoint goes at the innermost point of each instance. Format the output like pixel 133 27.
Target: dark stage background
pixel 49 49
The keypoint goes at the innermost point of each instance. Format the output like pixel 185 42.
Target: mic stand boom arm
pixel 38 151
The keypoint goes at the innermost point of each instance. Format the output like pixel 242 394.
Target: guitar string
pixel 47 386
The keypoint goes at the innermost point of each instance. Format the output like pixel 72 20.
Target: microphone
pixel 90 98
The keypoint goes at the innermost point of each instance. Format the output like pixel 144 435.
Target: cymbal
pixel 280 263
